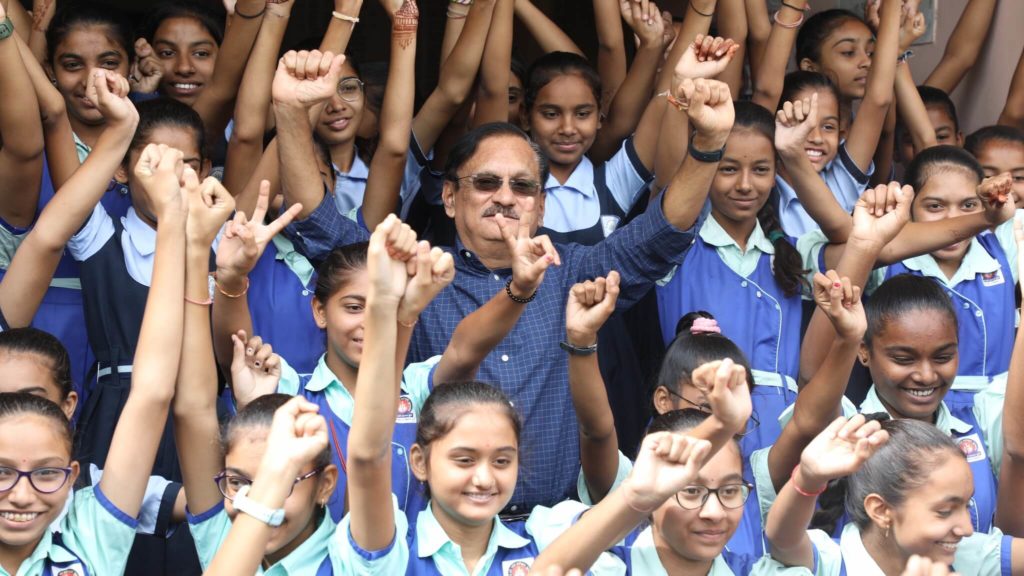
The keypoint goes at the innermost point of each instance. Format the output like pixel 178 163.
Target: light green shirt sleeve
pixel 289 382
pixel 209 530
pixel 768 566
pixel 417 381
pixel 545 524
pixel 1004 235
pixel 100 533
pixel 810 246
pixel 827 553
pixel 356 561
pixel 625 466
pixel 766 494
pixel 983 554
pixel 988 411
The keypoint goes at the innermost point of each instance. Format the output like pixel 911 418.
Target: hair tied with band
pixel 705 326
pixel 776 235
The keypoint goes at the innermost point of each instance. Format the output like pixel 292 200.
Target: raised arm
pixel 21 157
pixel 611 49
pixel 818 403
pixel 590 305
pixel 339 29
pixel 139 428
pixel 302 80
pixel 496 67
pixel 708 106
pixel 667 463
pixel 195 398
pixel 1013 110
pixel 388 165
pixel 548 35
pixel 912 111
pixel 770 70
pixel 878 96
pixel 376 398
pixel 217 102
pixel 36 259
pixel 964 45
pixel 732 24
pixel 634 96
pixel 838 451
pixel 1010 510
pixel 480 332
pixel 42 14
pixel 759 31
pixel 298 435
pixel 246 144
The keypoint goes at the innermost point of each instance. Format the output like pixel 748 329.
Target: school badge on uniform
pixel 66 572
pixel 972 447
pixel 405 410
pixel 993 278
pixel 519 567
pixel 609 224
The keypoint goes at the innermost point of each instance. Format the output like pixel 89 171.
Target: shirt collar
pixel 358 171
pixel 469 260
pixel 432 539
pixel 142 236
pixel 786 192
pixel 307 555
pixel 581 180
pixel 323 377
pixel 712 233
pixel 855 554
pixel 944 421
pixel 296 262
pixel 976 261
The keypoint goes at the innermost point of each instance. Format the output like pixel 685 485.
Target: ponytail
pixel 788 267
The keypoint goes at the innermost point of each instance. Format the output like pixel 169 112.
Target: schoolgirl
pixel 834 51
pixel 908 493
pixel 96 534
pixel 742 268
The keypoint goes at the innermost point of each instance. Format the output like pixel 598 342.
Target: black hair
pixel 15 403
pixel 81 14
pixel 337 269
pixel 260 414
pixel 977 140
pixel 518 70
pixel 902 294
pixel 164 111
pixel 467 146
pixel 555 64
pixel 901 466
pixel 689 351
pixel 681 421
pixel 801 80
pixel 938 98
pixel 817 29
pixel 44 345
pixel 938 160
pixel 787 266
pixel 197 11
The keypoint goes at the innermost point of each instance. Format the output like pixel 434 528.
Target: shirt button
pixel 496 277
pixel 514 508
pixel 758 294
pixel 966 305
pixel 305 292
pixel 978 313
pixel 743 284
pixel 504 357
pixel 400 451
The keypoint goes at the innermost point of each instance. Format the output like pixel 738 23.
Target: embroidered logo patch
pixel 972 448
pixel 609 224
pixel 405 411
pixel 992 278
pixel 68 572
pixel 516 567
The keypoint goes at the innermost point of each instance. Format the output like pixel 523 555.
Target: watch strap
pixel 6 28
pixel 578 350
pixel 270 516
pixel 709 157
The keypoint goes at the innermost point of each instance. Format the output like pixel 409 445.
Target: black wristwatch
pixel 578 350
pixel 709 157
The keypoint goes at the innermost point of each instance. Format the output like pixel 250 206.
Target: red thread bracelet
pixel 800 491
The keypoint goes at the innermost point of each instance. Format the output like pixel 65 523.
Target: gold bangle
pixel 239 295
pixel 345 17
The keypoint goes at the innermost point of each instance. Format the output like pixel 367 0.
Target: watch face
pixel 6 28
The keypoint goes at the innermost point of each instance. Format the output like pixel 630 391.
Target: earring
pixel 886 531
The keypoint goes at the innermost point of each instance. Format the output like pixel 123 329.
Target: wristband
pixel 517 299
pixel 699 13
pixel 250 16
pixel 708 157
pixel 272 517
pixel 800 491
pixel 792 7
pixel 6 28
pixel 345 17
pixel 462 2
pixel 578 350
pixel 904 57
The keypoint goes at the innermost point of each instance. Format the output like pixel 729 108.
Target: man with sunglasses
pixel 493 192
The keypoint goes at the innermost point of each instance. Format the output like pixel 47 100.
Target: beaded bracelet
pixel 517 299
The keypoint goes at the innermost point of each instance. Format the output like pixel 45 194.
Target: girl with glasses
pixel 37 471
